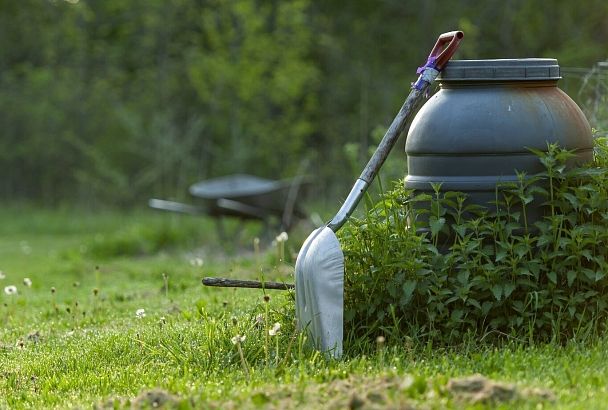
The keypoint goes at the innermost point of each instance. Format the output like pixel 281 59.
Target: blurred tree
pixel 108 101
pixel 256 84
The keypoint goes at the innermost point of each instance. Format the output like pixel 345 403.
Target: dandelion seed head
pixel 380 340
pixel 259 319
pixel 10 290
pixel 238 339
pixel 27 282
pixel 266 298
pixel 53 290
pixel 276 329
pixel 282 237
pixel 140 313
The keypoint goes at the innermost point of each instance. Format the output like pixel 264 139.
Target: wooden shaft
pixel 384 148
pixel 251 284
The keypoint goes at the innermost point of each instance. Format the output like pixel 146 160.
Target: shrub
pixel 500 275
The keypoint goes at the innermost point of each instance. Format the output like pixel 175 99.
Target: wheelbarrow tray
pixel 222 194
pixel 240 195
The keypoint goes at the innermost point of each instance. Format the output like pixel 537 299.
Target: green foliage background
pixel 114 101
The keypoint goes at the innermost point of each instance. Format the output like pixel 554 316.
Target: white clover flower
pixel 238 339
pixel 198 262
pixel 2 275
pixel 140 313
pixel 276 329
pixel 27 282
pixel 10 290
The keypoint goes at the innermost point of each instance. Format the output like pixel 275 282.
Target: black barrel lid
pixel 523 69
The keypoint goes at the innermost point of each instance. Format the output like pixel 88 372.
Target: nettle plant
pixel 449 270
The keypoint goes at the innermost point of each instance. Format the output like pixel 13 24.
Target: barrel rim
pixel 501 70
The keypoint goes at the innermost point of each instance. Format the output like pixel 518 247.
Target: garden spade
pixel 320 264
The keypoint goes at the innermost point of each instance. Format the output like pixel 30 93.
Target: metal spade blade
pixel 320 290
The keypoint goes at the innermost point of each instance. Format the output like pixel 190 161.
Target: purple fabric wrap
pixel 430 63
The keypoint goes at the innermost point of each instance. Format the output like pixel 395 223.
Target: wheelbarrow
pixel 245 197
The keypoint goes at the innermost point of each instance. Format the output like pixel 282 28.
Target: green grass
pixel 83 346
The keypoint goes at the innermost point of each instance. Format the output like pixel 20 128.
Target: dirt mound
pixel 147 399
pixel 479 389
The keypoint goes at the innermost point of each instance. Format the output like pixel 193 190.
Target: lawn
pixel 116 316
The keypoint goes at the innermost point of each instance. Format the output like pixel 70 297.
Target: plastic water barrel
pixel 476 131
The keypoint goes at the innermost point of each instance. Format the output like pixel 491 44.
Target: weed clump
pixel 502 273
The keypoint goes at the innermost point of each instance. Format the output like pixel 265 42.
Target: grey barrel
pixel 476 131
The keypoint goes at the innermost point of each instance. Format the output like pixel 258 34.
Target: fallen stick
pixel 251 284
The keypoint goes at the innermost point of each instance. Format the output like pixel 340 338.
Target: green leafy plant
pixel 531 266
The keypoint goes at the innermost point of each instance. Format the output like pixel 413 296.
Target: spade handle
pixel 443 50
